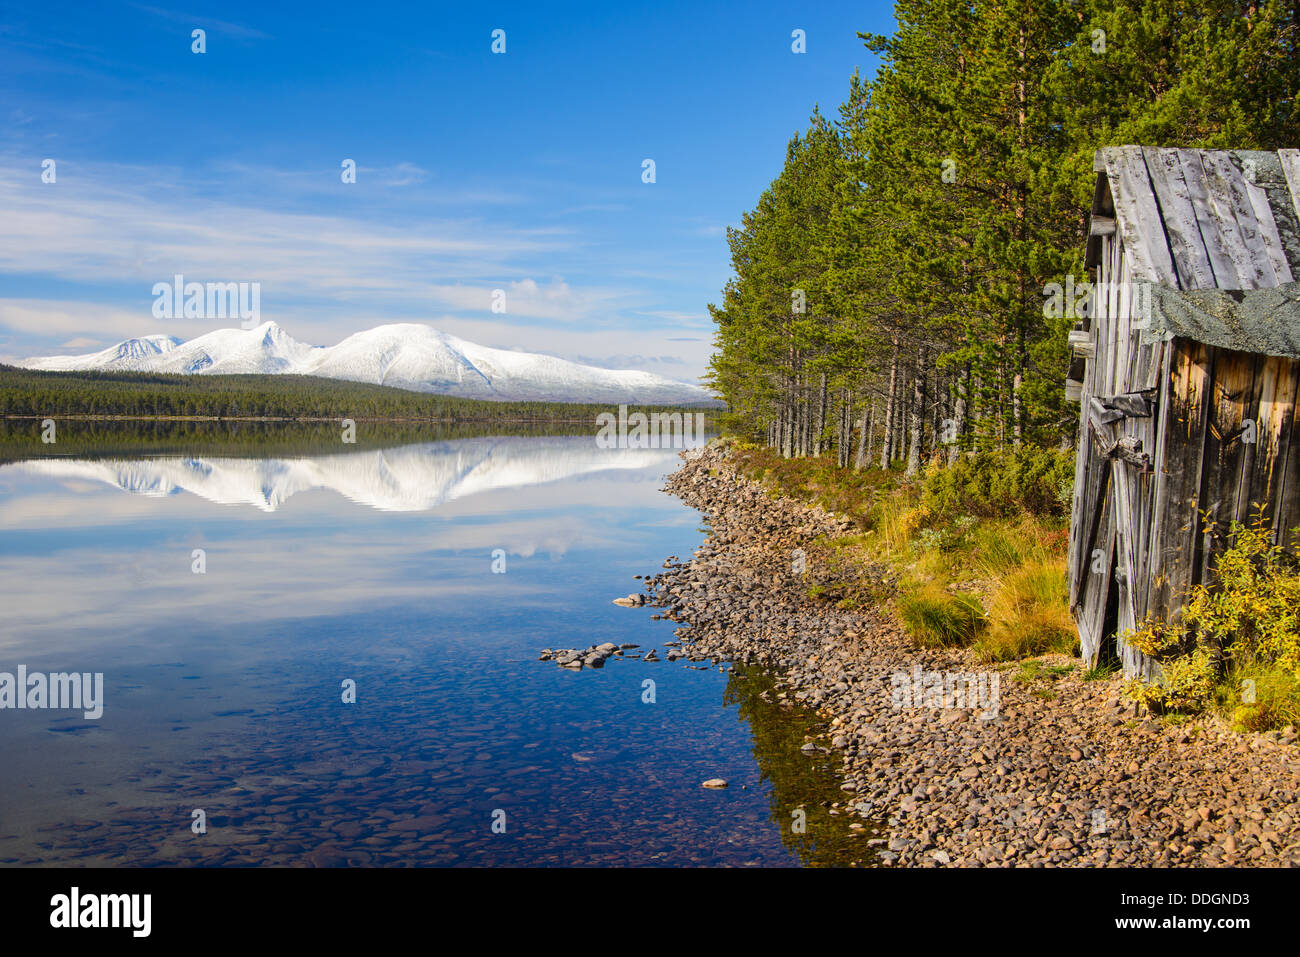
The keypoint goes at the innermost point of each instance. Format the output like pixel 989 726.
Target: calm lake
pixel 232 589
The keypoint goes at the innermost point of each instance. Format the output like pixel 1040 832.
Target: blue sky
pixel 476 171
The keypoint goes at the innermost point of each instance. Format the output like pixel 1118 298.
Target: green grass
pixel 940 565
pixel 1102 671
pixel 1275 693
pixel 1038 677
pixel 936 618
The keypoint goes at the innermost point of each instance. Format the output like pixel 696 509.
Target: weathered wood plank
pixel 1236 218
pixel 1268 233
pixel 1098 574
pixel 1138 214
pixel 1099 225
pixel 1083 500
pixel 1184 462
pixel 1099 416
pixel 1190 256
pixel 1094 491
pixel 1140 425
pixel 1291 170
pixel 1121 333
pixel 1286 502
pixel 1272 416
pixel 1153 547
pixel 1230 390
pixel 1225 273
pixel 1080 341
pixel 1156 369
pixel 1125 543
pixel 1114 252
pixel 1245 448
pixel 1135 404
pixel 1125 613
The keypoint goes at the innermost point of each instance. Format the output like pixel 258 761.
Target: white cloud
pixel 58 317
pixel 528 299
pixel 88 227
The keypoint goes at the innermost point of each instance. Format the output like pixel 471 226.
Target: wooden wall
pixel 1218 469
pixel 1147 485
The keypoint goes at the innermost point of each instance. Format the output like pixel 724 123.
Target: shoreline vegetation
pixel 997 748
pixel 973 554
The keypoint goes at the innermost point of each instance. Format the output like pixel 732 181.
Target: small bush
pixel 1002 484
pixel 1245 622
pixel 1186 684
pixel 1260 698
pixel 946 538
pixel 937 618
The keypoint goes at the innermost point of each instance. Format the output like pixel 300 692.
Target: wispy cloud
pixel 674 316
pixel 529 299
pixel 137 227
pixel 58 317
pixel 237 30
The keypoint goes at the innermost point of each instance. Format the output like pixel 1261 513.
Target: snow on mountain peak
pixel 405 355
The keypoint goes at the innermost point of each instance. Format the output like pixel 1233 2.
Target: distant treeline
pixel 21 439
pixel 29 392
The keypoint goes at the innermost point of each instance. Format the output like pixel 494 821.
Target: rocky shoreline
pixel 1071 776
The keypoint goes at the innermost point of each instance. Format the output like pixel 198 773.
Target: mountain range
pixel 406 355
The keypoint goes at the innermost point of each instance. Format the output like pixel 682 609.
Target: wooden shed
pixel 1186 365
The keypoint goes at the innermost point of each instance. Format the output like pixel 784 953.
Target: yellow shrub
pixel 1248 616
pixel 1186 683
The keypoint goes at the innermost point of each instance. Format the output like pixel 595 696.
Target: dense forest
pixel 21 439
pixel 887 302
pixel 31 393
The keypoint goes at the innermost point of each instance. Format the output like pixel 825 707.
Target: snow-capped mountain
pixel 407 355
pixel 130 354
pixel 407 478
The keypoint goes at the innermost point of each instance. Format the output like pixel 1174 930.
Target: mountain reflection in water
pixel 410 478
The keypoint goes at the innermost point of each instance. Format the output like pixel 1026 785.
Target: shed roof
pixel 1217 235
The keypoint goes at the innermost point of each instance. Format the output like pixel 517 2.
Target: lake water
pixel 224 690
